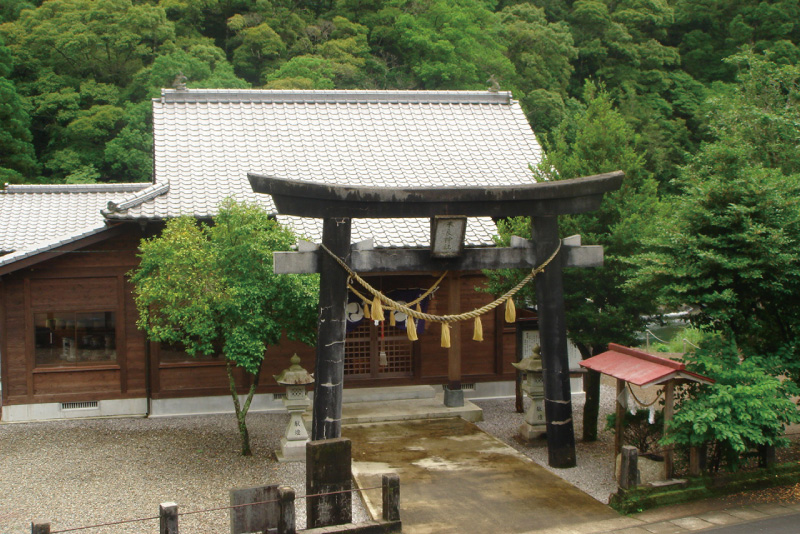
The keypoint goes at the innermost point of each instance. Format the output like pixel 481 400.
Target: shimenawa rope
pixel 445 319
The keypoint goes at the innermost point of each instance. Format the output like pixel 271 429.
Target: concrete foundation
pixel 55 410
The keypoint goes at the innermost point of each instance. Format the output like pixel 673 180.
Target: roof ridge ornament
pixel 137 199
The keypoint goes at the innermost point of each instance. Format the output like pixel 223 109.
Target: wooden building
pixel 69 346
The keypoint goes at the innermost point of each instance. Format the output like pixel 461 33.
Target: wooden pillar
pixel 620 415
pixel 553 339
pixel 329 368
pixel 454 352
pixel 669 410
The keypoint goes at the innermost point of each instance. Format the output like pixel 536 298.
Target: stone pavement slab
pixel 747 514
pixel 664 527
pixel 455 478
pixel 692 523
pixel 719 517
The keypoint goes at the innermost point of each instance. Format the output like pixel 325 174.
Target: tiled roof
pixel 206 141
pixel 36 218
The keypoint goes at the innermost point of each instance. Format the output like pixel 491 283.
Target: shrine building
pixel 69 345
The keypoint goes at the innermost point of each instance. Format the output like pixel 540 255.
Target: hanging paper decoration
pixel 477 335
pixel 377 310
pixel 511 311
pixel 412 332
pixel 445 335
pixel 404 296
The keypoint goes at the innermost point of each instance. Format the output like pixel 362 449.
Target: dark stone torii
pixel 337 205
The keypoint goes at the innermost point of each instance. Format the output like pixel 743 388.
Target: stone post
pixel 391 497
pixel 168 518
pixel 628 467
pixel 286 517
pixel 328 483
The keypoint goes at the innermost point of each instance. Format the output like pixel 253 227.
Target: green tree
pixel 624 45
pixel 261 49
pixel 746 407
pixel 708 32
pixel 17 158
pixel 443 44
pixel 74 60
pixel 212 289
pixel 333 54
pixel 541 53
pixel 730 245
pixel 599 310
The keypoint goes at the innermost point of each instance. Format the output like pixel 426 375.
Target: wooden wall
pixel 94 277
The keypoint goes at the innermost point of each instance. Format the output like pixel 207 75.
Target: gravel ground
pixel 594 473
pixel 79 473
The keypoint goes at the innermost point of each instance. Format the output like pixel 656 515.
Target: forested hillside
pixel 76 76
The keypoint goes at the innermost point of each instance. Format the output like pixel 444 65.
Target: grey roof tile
pixel 35 218
pixel 206 141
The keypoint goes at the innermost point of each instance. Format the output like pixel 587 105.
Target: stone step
pixel 403 410
pixel 354 395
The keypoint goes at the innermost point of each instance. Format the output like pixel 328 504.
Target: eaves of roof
pixel 53 248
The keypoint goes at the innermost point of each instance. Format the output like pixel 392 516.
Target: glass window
pixel 75 338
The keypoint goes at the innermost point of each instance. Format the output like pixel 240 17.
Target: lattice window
pixel 357 350
pixel 399 359
pixel 363 349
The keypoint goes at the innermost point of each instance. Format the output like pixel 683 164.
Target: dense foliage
pixel 746 408
pixel 212 289
pixel 76 76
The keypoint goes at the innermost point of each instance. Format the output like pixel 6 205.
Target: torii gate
pixel 337 205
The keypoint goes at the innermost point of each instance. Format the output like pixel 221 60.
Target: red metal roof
pixel 639 367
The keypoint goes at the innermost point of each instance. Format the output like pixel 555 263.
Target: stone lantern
pixel 535 425
pixel 293 444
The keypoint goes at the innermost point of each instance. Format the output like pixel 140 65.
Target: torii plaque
pixel 337 205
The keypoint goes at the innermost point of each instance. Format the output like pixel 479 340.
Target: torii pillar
pixel 337 205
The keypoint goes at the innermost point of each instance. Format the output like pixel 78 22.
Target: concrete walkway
pixel 455 478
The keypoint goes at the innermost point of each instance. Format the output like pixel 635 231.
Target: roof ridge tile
pixel 75 188
pixel 284 96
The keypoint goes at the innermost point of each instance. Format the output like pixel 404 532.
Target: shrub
pixel 745 408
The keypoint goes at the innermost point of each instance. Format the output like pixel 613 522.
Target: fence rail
pixel 168 514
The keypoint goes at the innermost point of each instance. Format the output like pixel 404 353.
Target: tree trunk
pixel 241 410
pixel 591 407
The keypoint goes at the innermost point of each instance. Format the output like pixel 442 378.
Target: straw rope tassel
pixel 477 335
pixel 446 335
pixel 392 321
pixel 511 311
pixel 365 305
pixel 377 309
pixel 411 329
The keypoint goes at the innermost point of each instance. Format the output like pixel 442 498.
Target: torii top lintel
pixel 542 199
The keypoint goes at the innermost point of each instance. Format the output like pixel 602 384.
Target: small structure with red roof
pixel 643 369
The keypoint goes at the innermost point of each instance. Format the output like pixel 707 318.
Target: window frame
pixel 67 365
